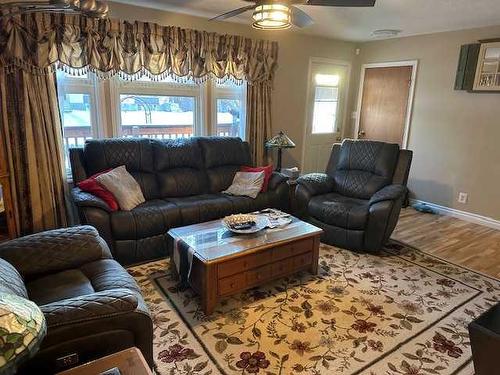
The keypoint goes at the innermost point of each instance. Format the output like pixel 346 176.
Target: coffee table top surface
pixel 211 241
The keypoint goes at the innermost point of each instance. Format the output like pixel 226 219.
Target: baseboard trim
pixel 463 215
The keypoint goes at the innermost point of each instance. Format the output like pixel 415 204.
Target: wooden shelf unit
pixel 488 68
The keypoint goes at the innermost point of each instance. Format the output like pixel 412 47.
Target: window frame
pixel 120 87
pixel 232 93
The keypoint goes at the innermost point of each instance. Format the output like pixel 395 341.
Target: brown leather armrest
pixel 55 250
pixel 91 306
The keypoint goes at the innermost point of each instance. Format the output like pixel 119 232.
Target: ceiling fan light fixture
pixel 273 16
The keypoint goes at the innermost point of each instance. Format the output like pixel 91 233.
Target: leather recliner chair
pixel 358 199
pixel 92 306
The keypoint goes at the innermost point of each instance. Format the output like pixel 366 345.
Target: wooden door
pixel 384 103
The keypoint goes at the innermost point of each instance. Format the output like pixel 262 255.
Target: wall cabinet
pixel 488 68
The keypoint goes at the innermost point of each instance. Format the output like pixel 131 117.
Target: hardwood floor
pixel 471 245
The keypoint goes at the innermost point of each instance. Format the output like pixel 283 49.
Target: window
pixel 144 108
pixel 161 110
pixel 77 103
pixel 326 98
pixel 229 107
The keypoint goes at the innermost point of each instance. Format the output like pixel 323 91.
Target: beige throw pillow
pixel 124 187
pixel 247 184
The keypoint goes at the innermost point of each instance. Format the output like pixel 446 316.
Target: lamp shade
pixel 22 328
pixel 280 141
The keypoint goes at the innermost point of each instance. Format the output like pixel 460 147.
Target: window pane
pixel 157 116
pixel 229 116
pixel 325 110
pixel 76 121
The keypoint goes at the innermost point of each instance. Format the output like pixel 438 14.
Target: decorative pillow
pixel 124 187
pixel 90 185
pixel 246 184
pixel 268 171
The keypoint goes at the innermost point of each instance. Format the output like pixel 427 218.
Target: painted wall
pixel 295 50
pixel 455 135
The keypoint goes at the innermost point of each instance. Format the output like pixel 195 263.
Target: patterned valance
pixel 38 42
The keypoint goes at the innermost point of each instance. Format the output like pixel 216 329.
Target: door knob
pixel 361 133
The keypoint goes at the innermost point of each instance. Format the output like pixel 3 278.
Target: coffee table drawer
pixel 258 275
pixel 302 261
pixel 282 267
pixel 293 248
pixel 232 284
pixel 302 246
pixel 244 263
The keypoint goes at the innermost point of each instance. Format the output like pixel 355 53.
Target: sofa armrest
pixel 54 250
pixel 89 307
pixel 388 193
pixel 84 199
pixel 276 179
pixel 317 183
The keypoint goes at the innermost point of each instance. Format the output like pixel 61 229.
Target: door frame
pixel 309 111
pixel 411 96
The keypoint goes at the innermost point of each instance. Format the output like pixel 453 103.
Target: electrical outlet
pixel 463 197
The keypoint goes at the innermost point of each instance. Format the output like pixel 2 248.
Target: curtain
pixel 31 126
pixel 37 41
pixel 258 120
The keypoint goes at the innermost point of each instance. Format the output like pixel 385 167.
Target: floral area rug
pixel 399 312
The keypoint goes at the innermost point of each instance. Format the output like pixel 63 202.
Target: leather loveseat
pixel 358 199
pixel 181 180
pixel 92 306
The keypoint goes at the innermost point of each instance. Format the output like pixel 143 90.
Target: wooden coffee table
pixel 225 263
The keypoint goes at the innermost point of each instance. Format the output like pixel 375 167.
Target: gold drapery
pixel 31 127
pixel 38 41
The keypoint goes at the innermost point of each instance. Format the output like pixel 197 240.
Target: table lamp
pixel 22 329
pixel 280 142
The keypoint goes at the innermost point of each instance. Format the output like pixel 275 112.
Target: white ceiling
pixel 413 17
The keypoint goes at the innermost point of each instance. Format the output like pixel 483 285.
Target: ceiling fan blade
pixel 342 3
pixel 233 13
pixel 300 18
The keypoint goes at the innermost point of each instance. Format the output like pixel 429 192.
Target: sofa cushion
pixel 338 210
pixel 11 282
pixel 123 186
pixel 59 286
pixel 136 154
pixel 217 151
pixel 179 165
pixel 151 218
pixel 200 208
pixel 364 167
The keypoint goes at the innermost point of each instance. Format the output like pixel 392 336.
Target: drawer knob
pixel 232 285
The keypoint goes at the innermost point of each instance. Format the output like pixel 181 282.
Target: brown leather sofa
pixel 358 199
pixel 92 306
pixel 181 180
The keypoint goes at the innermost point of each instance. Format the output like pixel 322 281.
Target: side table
pixel 128 361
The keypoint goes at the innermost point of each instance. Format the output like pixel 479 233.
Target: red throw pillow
pixel 90 185
pixel 268 171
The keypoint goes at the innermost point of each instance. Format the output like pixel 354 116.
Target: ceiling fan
pixel 282 14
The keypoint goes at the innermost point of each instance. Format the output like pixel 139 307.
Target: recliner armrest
pixel 317 183
pixel 276 179
pixel 55 250
pixel 388 193
pixel 91 306
pixel 84 199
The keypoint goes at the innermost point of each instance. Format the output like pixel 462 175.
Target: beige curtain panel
pixel 37 41
pixel 31 130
